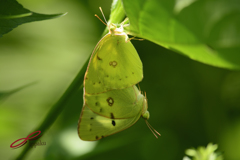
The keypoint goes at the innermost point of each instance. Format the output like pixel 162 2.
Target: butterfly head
pixel 114 30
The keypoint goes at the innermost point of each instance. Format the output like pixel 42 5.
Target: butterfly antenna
pixel 100 19
pixel 103 14
pixel 155 133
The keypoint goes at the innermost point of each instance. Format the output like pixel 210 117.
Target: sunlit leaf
pixel 206 31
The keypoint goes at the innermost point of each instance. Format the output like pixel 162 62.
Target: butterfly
pixel 112 102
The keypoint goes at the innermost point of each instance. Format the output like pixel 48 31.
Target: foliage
pixel 190 103
pixel 13 14
pixel 206 31
pixel 204 153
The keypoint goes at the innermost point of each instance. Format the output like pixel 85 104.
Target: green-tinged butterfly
pixel 112 102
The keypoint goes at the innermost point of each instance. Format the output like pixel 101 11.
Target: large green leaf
pixel 204 30
pixel 13 14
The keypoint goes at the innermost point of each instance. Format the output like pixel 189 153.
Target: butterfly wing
pixel 93 127
pixel 114 64
pixel 124 103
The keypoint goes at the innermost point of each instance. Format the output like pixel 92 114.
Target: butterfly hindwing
pixel 94 127
pixel 124 103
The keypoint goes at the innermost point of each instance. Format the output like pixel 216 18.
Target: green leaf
pixel 5 94
pixel 13 14
pixel 206 31
pixel 117 12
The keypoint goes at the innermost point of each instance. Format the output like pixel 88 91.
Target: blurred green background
pixel 191 104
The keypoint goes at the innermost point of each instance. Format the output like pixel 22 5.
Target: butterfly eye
pixel 112 28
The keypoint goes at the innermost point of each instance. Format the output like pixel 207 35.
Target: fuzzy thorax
pixel 114 30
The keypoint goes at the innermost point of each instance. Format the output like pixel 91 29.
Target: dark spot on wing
pixel 91 118
pixel 99 58
pixel 94 83
pixel 112 116
pixel 113 63
pixel 113 123
pixel 100 109
pixel 126 76
pixel 99 82
pixel 96 137
pixel 120 79
pixel 90 129
pixel 96 104
pixel 110 101
pixel 102 136
pixel 132 72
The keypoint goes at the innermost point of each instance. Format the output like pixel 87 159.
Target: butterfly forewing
pixel 115 64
